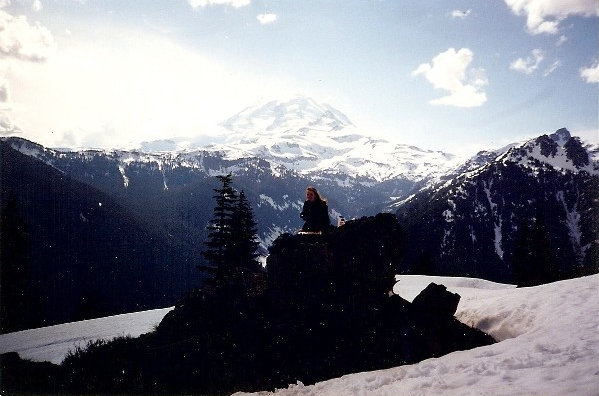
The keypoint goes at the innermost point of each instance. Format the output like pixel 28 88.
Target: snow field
pixel 549 345
pixel 52 343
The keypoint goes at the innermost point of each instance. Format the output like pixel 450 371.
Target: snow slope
pixel 52 343
pixel 549 345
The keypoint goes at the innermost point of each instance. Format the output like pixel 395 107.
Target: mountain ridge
pixel 467 217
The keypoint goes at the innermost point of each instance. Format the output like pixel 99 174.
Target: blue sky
pixel 456 76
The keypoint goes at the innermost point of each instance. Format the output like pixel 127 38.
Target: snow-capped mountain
pixel 464 215
pixel 299 114
pixel 282 145
pixel 538 199
pixel 316 139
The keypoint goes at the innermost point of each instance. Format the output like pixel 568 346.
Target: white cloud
pixel 123 87
pixel 590 74
pixel 266 18
pixel 7 127
pixel 4 3
pixel 232 3
pixel 4 91
pixel 562 39
pixel 21 40
pixel 450 71
pixel 589 135
pixel 460 13
pixel 530 64
pixel 544 16
pixel 552 68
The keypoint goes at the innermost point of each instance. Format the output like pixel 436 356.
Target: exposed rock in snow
pixel 549 345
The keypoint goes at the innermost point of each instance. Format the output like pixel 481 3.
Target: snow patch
pixel 125 178
pixel 52 343
pixel 573 223
pixel 497 220
pixel 272 203
pixel 269 236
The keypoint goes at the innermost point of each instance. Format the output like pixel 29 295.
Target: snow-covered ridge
pixel 559 151
pixel 300 135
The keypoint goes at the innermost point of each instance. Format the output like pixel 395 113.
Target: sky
pixel 457 76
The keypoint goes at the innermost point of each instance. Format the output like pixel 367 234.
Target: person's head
pixel 312 194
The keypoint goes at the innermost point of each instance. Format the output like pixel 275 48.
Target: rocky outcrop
pixel 436 301
pixel 323 309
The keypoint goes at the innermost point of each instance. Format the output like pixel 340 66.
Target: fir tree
pixel 231 247
pixel 244 244
pixel 218 243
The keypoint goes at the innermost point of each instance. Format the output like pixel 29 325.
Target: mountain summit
pixel 315 139
pixel 300 114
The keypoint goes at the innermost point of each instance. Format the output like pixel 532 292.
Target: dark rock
pixel 561 135
pixel 437 301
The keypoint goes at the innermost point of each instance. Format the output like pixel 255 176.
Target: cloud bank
pixel 545 16
pixel 21 40
pixel 20 43
pixel 450 71
pixel 126 87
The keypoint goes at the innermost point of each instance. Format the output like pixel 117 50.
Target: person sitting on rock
pixel 315 212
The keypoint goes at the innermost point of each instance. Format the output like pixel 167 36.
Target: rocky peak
pixel 561 136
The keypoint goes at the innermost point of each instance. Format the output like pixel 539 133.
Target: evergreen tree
pixel 231 247
pixel 244 244
pixel 218 243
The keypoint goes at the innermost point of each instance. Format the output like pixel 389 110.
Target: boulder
pixel 435 300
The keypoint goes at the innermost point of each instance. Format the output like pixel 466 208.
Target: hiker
pixel 315 212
